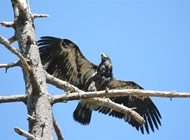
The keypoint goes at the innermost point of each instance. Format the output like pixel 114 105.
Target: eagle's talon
pixel 107 89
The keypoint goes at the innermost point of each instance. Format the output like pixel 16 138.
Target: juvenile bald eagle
pixel 102 76
pixel 63 59
pixel 100 80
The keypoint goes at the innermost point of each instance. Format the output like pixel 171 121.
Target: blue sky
pixel 148 42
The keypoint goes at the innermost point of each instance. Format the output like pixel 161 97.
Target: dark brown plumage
pixel 99 80
pixel 102 77
pixel 63 59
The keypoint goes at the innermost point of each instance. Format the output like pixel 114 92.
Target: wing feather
pixel 144 106
pixel 63 59
pixel 150 120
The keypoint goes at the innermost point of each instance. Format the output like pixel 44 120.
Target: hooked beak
pixel 103 55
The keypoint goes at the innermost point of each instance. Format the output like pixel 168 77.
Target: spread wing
pixel 63 59
pixel 144 106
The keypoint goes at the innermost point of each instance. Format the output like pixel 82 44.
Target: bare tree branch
pixel 13 98
pixel 140 92
pixel 57 130
pixel 90 96
pixel 10 65
pixel 12 39
pixel 116 93
pixel 39 15
pixel 96 101
pixel 61 84
pixel 7 24
pixel 31 118
pixel 6 43
pixel 25 134
pixel 117 107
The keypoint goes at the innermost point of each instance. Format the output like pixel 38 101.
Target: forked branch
pixel 10 65
pixel 96 101
pixel 6 43
pixel 117 107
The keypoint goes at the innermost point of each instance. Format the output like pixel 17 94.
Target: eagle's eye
pixel 65 44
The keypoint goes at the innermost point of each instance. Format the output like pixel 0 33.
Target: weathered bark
pixel 13 98
pixel 38 103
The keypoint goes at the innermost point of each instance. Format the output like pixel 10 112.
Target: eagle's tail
pixel 83 112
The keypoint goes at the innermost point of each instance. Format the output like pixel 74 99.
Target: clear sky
pixel 148 42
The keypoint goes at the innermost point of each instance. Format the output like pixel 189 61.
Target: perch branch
pixel 25 134
pixel 96 101
pixel 13 98
pixel 140 92
pixel 57 130
pixel 6 43
pixel 118 92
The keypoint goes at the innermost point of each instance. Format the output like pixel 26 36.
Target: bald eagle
pixel 102 77
pixel 100 80
pixel 63 59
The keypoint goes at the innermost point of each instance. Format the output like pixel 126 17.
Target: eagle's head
pixel 105 57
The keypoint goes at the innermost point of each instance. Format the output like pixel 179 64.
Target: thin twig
pixel 39 16
pixel 13 98
pixel 57 130
pixel 6 43
pixel 31 118
pixel 25 134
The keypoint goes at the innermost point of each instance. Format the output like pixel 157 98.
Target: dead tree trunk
pixel 38 104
